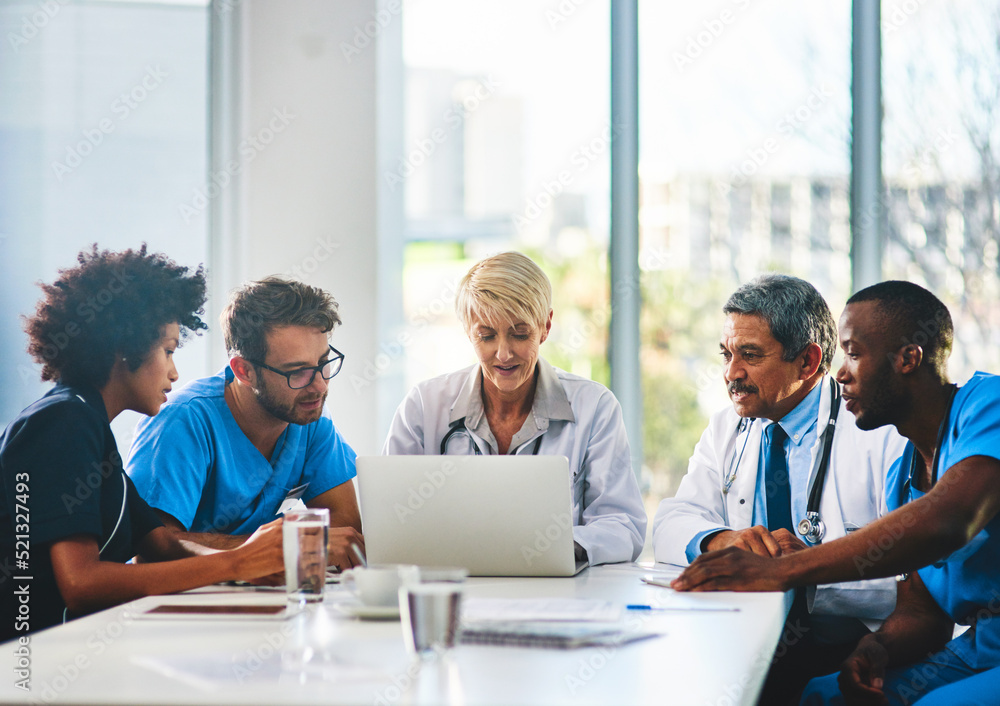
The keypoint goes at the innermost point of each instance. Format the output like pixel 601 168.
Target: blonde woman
pixel 514 402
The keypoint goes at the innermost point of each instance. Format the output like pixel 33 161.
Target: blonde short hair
pixel 504 288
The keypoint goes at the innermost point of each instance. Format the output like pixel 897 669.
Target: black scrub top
pixel 60 475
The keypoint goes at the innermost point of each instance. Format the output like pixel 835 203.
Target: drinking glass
pixel 431 610
pixel 304 536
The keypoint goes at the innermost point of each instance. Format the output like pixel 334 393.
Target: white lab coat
pixel 853 495
pixel 575 417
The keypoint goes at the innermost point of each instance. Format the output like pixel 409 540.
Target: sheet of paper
pixel 672 600
pixel 540 609
pixel 550 634
pixel 660 570
pixel 664 571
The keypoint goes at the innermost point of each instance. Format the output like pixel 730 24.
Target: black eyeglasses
pixel 303 377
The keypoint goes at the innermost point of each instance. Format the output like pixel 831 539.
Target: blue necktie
pixel 777 490
pixel 778 493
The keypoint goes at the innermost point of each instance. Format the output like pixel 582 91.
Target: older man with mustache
pixel 784 461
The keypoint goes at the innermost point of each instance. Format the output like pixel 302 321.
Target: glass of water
pixel 304 534
pixel 431 610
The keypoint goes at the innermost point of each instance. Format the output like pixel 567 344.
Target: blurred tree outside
pixel 942 135
pixel 681 378
pixel 682 374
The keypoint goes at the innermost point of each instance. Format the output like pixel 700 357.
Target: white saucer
pixel 369 612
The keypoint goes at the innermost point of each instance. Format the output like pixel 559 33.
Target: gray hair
pixel 795 312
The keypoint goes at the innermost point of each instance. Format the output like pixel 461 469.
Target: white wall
pixel 305 203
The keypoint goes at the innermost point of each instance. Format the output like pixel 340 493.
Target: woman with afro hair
pixel 105 333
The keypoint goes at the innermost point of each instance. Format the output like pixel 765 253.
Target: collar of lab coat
pixel 797 423
pixel 550 403
pixel 750 455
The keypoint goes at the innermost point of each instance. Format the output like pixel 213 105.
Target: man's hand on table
pixel 758 540
pixel 732 569
pixel 340 553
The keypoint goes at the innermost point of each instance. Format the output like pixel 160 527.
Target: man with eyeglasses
pixel 227 453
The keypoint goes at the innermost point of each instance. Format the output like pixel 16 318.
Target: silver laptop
pixel 494 515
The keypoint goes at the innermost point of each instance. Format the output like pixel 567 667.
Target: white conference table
pixel 699 657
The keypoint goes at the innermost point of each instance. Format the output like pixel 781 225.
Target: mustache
pixel 737 386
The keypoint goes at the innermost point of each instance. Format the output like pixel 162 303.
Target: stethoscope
pixel 811 527
pixel 742 428
pixel 908 483
pixel 459 427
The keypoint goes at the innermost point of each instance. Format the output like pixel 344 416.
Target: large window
pixel 941 72
pixel 102 140
pixel 744 168
pixel 506 147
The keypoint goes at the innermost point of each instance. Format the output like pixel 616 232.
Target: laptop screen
pixel 494 515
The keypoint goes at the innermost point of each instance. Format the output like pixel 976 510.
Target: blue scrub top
pixel 965 584
pixel 194 462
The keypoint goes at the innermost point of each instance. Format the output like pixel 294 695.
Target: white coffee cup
pixel 377 585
